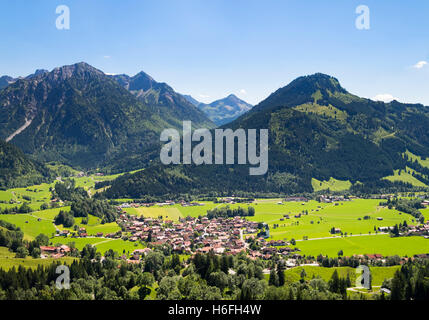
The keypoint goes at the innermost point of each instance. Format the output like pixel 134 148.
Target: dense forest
pixel 17 170
pixel 204 277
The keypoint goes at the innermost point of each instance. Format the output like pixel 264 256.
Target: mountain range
pixel 82 117
pixel 224 110
pixel 317 129
pixel 79 116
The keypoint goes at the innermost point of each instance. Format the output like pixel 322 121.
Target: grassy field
pixel 166 213
pixel 413 157
pixel 172 212
pixel 381 244
pixel 8 260
pixel 407 177
pixel 332 185
pixel 30 225
pixel 94 226
pixel 326 111
pixel 322 218
pixel 101 244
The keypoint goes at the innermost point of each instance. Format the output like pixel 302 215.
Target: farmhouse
pixel 55 252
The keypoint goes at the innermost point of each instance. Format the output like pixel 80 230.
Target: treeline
pixel 355 261
pixel 228 212
pixel 98 208
pixel 410 206
pixel 411 282
pixel 382 186
pixel 23 208
pixel 204 277
pixel 85 207
pixel 64 218
pixel 12 238
pixel 18 170
pixel 67 191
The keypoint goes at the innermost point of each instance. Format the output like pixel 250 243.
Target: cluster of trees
pixel 67 191
pixel 99 208
pixel 382 186
pixel 12 238
pixel 398 228
pixel 227 212
pixel 355 261
pixel 203 277
pixel 81 204
pixel 411 282
pixel 410 206
pixel 83 208
pixel 23 208
pixel 64 218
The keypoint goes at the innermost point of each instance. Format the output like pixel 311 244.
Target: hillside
pixel 79 116
pixel 16 170
pixel 168 103
pixel 317 130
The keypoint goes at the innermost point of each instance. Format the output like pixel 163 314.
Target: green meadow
pixel 347 216
pixel 8 260
pixel 101 244
pixel 315 224
pixel 332 184
pixel 406 176
pixel 413 157
pixel 173 212
pixel 381 244
pixel 30 225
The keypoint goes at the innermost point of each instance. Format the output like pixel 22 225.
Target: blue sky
pixel 211 48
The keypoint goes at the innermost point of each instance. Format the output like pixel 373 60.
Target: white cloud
pixel 385 97
pixel 243 92
pixel 420 64
pixel 204 96
pixel 106 57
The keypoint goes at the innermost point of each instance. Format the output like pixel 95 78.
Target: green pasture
pixel 375 244
pixel 332 184
pixel 102 244
pixel 8 260
pixel 407 177
pixel 30 225
pixel 319 221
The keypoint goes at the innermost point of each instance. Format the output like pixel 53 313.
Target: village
pixel 218 235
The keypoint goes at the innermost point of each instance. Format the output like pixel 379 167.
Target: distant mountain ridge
pixel 82 117
pixel 169 102
pixel 5 81
pixel 224 110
